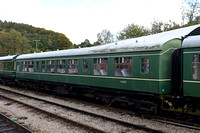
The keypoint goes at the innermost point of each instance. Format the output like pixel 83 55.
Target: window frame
pixel 43 64
pixel 123 66
pixel 1 66
pixel 50 66
pixel 100 66
pixel 85 65
pixel 5 64
pixel 24 66
pixel 145 69
pixel 18 66
pixel 30 66
pixel 72 66
pixel 196 67
pixel 37 66
pixel 60 66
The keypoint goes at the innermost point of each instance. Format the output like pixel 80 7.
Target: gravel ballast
pixel 38 123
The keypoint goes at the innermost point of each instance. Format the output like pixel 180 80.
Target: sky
pixel 84 19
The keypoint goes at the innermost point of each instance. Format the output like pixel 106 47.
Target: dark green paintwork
pixel 158 81
pixel 9 69
pixel 191 87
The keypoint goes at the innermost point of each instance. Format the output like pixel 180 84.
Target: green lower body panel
pixel 132 84
pixel 7 74
pixel 191 89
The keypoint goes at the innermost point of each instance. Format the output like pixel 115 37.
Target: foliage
pixel 12 43
pixel 191 12
pixel 105 37
pixel 190 16
pixel 18 39
pixel 86 43
pixel 132 31
pixel 158 26
pixel 63 42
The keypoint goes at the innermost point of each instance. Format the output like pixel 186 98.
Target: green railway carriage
pixel 191 66
pixel 7 67
pixel 144 71
pixel 136 69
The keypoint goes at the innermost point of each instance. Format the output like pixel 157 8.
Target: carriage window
pixel 73 66
pixel 85 65
pixel 30 66
pixel 17 66
pixel 60 66
pixel 123 66
pixel 43 67
pixel 5 64
pixel 144 65
pixel 196 66
pixel 37 65
pixel 1 66
pixel 50 66
pixel 100 66
pixel 24 68
pixel 9 66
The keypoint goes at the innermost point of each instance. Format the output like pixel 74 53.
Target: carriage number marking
pixel 123 81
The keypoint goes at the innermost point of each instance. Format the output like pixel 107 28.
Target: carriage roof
pixel 145 43
pixel 9 57
pixel 191 41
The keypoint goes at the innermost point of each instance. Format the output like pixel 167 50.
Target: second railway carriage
pixel 191 66
pixel 136 70
pixel 190 85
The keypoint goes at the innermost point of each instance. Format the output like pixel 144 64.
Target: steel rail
pixel 9 125
pixel 124 123
pixel 172 121
pixel 177 124
pixel 75 123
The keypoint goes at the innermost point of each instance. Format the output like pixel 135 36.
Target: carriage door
pixel 146 73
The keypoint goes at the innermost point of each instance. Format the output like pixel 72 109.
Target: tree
pixel 25 46
pixel 63 42
pixel 96 43
pixel 105 37
pixel 191 12
pixel 86 43
pixel 3 43
pixel 132 31
pixel 15 41
pixel 158 26
pixel 50 44
pixel 41 46
pixel 18 38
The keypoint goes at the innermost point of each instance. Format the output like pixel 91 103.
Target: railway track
pixel 9 126
pixel 173 121
pixel 49 114
pixel 82 125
